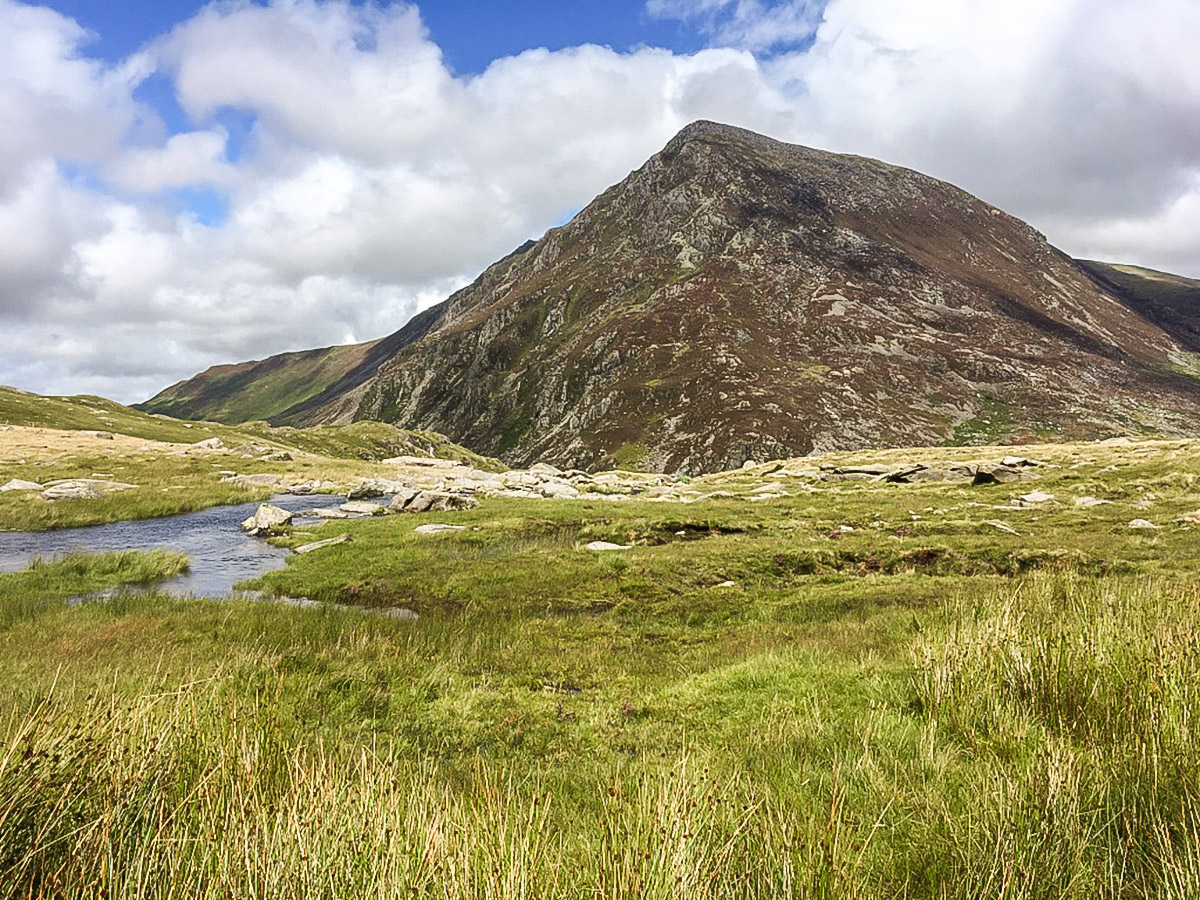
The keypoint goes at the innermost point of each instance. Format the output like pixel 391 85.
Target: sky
pixel 184 184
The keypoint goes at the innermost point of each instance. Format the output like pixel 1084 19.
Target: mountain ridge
pixel 737 297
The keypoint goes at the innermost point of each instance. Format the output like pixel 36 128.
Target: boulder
pixel 604 546
pixel 317 545
pixel 213 443
pixel 546 469
pixel 402 498
pixel 993 473
pixel 279 456
pixel 432 501
pixel 557 489
pixel 434 528
pixel 267 520
pixel 363 491
pixel 17 484
pixel 1143 525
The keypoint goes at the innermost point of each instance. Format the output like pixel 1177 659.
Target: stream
pixel 221 553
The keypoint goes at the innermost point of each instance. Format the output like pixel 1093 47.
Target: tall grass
pixel 1081 697
pixel 180 795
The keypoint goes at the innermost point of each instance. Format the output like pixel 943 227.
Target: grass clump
pixel 46 582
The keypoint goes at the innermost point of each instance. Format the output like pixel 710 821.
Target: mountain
pixel 741 298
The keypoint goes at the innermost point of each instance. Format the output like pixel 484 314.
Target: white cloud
pixel 750 24
pixel 373 181
pixel 189 159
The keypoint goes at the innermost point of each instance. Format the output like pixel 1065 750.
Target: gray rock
pixel 17 484
pixel 991 473
pixel 1035 497
pixel 103 435
pixel 267 520
pixel 1143 525
pixel 437 529
pixel 399 613
pixel 938 472
pixel 1089 502
pixel 604 546
pixel 324 513
pixel 363 491
pixel 864 469
pixel 82 489
pixel 433 501
pixel 363 508
pixel 280 456
pixel 317 545
pixel 213 443
pixel 1000 526
pixel 546 469
pixel 424 461
pixel 402 498
pixel 262 480
pixel 1017 462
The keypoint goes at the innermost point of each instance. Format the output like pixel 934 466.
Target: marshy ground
pixel 854 689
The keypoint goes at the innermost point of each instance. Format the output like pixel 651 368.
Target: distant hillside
pixel 740 298
pixel 1171 302
pixel 283 388
pixel 359 440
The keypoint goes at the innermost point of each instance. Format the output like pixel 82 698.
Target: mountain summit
pixel 741 298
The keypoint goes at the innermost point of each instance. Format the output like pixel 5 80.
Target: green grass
pixel 168 481
pixel 924 706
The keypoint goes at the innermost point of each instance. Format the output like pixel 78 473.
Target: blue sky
pixel 470 33
pixel 184 184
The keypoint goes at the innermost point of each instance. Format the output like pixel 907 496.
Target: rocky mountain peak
pixel 738 298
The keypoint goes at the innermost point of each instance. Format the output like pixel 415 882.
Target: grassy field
pixel 59 438
pixel 750 702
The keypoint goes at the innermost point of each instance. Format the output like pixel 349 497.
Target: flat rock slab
pixel 17 484
pixel 423 461
pixel 322 513
pixel 363 508
pixel 1143 525
pixel 435 528
pixel 1036 497
pixel 262 480
pixel 604 546
pixel 1089 502
pixel 82 489
pixel 317 545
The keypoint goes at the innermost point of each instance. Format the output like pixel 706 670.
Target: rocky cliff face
pixel 739 298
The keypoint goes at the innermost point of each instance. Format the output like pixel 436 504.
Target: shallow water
pixel 221 553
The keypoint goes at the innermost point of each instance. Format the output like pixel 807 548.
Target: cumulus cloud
pixel 372 181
